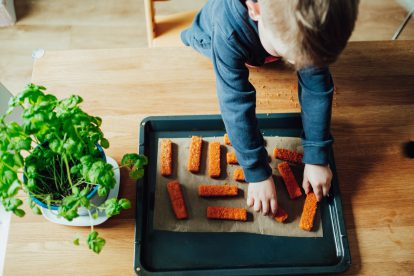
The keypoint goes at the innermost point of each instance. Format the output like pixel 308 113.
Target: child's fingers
pixel 273 206
pixel 250 201
pixel 325 190
pixel 318 192
pixel 257 205
pixel 250 198
pixel 265 207
pixel 306 185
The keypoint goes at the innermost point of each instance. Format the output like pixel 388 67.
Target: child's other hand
pixel 319 176
pixel 262 195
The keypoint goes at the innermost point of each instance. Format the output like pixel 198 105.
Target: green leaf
pixel 19 143
pixel 95 242
pixel 36 210
pixel 104 143
pixel 31 93
pixel 48 200
pixel 70 145
pixel 136 173
pixel 75 169
pixel 17 202
pixel 31 183
pixel 76 241
pixel 135 164
pixel 112 207
pixel 13 189
pixel 129 159
pixel 13 101
pixel 68 212
pixel 102 191
pixel 19 212
pixel 8 159
pixel 107 179
pixel 9 176
pixel 14 129
pixel 144 159
pixel 18 160
pixel 98 121
pixel 70 102
pixel 84 193
pixel 95 215
pixel 125 203
pixel 12 204
pixel 75 190
pixel 56 145
pixel 92 235
pixel 86 160
pixel 30 202
pixel 85 202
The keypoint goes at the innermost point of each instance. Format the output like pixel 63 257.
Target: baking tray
pixel 189 253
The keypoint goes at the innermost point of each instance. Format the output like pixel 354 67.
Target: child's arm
pixel 237 98
pixel 315 95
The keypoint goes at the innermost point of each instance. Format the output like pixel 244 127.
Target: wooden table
pixel 373 115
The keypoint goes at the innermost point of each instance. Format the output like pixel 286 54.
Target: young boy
pixel 310 34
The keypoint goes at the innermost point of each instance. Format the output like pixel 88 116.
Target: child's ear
pixel 253 9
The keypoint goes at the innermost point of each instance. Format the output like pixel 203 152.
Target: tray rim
pixel 343 264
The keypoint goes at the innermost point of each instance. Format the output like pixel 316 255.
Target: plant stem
pixel 61 171
pixel 90 216
pixel 10 167
pixel 67 170
pixel 54 175
pixel 84 182
pixel 43 176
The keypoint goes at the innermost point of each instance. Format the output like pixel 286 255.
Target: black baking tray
pixel 194 253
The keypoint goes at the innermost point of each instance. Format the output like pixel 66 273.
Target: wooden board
pixel 373 115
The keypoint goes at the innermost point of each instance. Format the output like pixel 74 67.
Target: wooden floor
pixel 87 24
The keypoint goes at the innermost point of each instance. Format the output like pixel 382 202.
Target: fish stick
pixel 289 179
pixel 177 200
pixel 239 175
pixel 231 158
pixel 309 211
pixel 288 155
pixel 166 157
pixel 227 213
pixel 227 140
pixel 214 159
pixel 281 215
pixel 217 190
pixel 195 154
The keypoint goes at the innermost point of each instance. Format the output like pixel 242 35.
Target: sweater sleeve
pixel 315 96
pixel 237 98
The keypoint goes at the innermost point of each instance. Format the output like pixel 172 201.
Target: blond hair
pixel 315 31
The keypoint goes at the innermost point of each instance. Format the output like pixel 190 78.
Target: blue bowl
pixel 56 207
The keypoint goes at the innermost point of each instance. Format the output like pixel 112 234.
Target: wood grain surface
pixel 91 24
pixel 373 115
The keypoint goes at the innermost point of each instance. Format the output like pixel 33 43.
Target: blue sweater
pixel 224 32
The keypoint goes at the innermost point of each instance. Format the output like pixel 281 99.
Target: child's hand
pixel 319 176
pixel 262 195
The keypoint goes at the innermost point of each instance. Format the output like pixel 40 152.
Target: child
pixel 310 34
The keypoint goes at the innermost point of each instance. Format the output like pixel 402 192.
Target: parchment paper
pixel 164 218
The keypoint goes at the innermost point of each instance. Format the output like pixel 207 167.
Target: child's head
pixel 304 32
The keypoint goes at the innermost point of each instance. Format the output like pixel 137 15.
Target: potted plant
pixel 55 156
